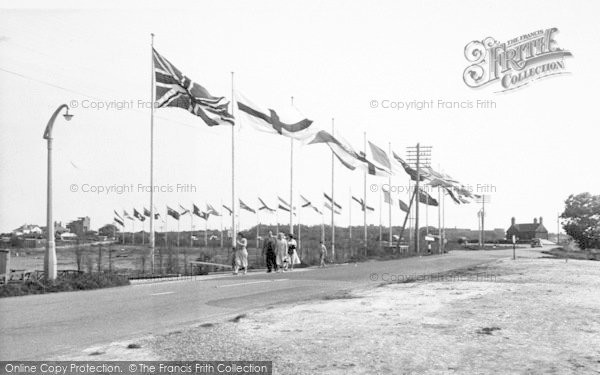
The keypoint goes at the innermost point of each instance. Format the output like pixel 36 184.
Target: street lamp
pixel 50 256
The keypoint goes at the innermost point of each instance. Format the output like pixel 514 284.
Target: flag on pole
pixel 211 210
pixel 171 212
pixel 201 214
pixel 126 215
pixel 228 209
pixel 408 169
pixel 120 221
pixel 308 203
pixel 337 212
pixel 146 212
pixel 403 206
pixel 427 199
pixel 138 215
pixel 387 197
pixel 118 216
pixel 289 122
pixel 184 212
pixel 362 204
pixel 372 169
pixel 438 182
pixel 285 206
pixel 173 89
pixel 452 195
pixel 343 151
pixel 244 206
pixel 331 201
pixel 265 206
pixel 380 156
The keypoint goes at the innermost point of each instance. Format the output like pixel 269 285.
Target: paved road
pixel 45 326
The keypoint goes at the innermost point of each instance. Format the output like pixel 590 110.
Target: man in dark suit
pixel 269 247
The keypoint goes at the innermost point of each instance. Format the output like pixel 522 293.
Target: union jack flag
pixel 173 89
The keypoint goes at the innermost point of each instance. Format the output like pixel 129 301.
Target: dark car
pixel 536 242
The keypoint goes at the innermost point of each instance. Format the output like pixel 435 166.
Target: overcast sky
pixel 537 146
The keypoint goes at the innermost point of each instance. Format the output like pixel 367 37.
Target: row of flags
pixel 283 205
pixel 210 210
pixel 174 89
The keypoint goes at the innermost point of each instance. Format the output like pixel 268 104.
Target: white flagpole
pixel 391 200
pixel 257 229
pixel 323 224
pixel 178 232
pixel 439 220
pixel 192 227
pixel 152 99
pixel 233 198
pixel 292 180
pixel 222 214
pixel 365 193
pixel 380 218
pixel 206 233
pixel 332 195
pixel 350 219
pixel 133 231
pixel 299 231
pixel 143 230
pixel 444 222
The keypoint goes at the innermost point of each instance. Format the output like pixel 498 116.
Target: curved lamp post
pixel 50 256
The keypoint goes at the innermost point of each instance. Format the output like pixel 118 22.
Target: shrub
pixel 81 281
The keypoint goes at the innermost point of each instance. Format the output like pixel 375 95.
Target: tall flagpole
pixel 332 196
pixel 365 193
pixel 152 99
pixel 418 162
pixel 439 220
pixel 292 180
pixel 350 219
pixel 380 219
pixel 206 233
pixel 221 234
pixel 233 200
pixel 391 201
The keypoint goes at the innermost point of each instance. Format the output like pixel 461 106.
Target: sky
pixel 338 59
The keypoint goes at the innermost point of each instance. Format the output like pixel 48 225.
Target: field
pixel 135 259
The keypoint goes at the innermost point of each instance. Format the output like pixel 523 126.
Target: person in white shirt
pixel 323 254
pixel 292 251
pixel 282 251
pixel 241 254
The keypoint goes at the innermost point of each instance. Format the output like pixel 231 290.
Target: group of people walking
pixel 280 253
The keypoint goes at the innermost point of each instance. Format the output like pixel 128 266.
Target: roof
pixel 527 227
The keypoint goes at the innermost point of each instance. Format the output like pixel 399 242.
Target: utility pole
pixel 483 199
pixel 558 228
pixel 418 157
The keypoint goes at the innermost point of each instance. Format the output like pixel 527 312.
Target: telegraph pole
pixel 483 199
pixel 418 157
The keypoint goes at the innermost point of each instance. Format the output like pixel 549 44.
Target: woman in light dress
pixel 292 251
pixel 241 254
pixel 282 252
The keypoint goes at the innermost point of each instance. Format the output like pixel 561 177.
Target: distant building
pixel 527 231
pixel 27 230
pixel 80 226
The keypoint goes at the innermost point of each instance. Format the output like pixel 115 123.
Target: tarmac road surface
pixel 41 327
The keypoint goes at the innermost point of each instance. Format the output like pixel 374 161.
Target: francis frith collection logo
pixel 514 63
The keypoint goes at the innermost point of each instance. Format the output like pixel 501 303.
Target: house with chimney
pixel 527 231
